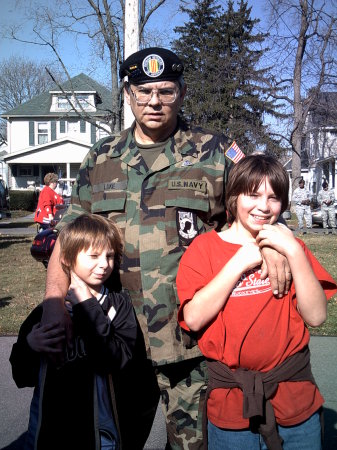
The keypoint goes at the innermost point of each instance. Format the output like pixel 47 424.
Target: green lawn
pixel 22 280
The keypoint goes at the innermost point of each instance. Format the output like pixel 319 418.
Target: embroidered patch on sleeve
pixel 234 153
pixel 186 226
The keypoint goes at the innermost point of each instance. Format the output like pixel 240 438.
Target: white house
pixel 46 134
pixel 319 145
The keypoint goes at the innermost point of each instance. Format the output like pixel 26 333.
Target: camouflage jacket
pixel 299 195
pixel 160 211
pixel 326 196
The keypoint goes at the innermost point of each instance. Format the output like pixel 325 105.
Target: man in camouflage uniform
pixel 302 198
pixel 326 198
pixel 162 181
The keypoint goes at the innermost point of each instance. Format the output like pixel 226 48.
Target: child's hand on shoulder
pixel 43 339
pixel 278 237
pixel 78 290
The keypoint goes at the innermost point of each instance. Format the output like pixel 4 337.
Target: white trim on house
pixel 46 152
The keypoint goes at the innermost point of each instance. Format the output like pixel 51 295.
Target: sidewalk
pixel 15 402
pixel 18 226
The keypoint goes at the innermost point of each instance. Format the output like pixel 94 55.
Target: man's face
pixel 155 117
pixel 301 185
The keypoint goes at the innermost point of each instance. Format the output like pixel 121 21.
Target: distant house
pixel 319 144
pixel 46 134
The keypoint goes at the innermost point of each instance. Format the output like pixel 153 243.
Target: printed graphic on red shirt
pixel 250 283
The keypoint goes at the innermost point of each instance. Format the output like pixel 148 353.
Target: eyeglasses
pixel 165 95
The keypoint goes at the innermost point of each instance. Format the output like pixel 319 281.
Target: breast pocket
pixel 111 204
pixel 186 213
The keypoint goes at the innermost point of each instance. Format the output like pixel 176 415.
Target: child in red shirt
pixel 48 199
pixel 256 345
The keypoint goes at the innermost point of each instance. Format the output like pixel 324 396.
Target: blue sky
pixel 76 57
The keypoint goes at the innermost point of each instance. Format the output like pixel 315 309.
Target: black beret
pixel 150 65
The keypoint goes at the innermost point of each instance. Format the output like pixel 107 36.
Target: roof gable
pixel 40 105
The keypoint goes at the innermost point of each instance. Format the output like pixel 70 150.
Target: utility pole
pixel 131 43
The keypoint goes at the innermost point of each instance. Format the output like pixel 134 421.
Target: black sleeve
pixel 109 344
pixel 24 361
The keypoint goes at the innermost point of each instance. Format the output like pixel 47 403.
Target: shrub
pixel 23 199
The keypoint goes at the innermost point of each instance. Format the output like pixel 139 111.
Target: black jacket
pixel 65 399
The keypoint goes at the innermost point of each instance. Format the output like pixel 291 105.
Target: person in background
pixel 74 406
pixel 261 390
pixel 301 198
pixel 326 198
pixel 48 199
pixel 162 181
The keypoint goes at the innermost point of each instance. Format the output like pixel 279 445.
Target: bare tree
pixel 304 33
pixel 21 80
pixel 101 23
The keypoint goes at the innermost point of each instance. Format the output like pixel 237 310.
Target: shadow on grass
pixel 5 301
pixel 7 241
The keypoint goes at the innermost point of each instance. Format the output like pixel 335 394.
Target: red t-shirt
pixel 254 330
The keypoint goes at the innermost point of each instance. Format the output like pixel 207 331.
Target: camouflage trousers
pixel 328 213
pixel 304 211
pixel 183 387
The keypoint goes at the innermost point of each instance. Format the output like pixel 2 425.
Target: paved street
pixel 15 402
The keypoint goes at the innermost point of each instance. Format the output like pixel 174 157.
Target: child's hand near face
pixel 44 339
pixel 78 290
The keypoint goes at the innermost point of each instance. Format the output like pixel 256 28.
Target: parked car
pixel 4 200
pixel 43 243
pixel 317 215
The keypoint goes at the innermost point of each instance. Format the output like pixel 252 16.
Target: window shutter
pixel 62 126
pixel 93 134
pixel 53 130
pixel 31 134
pixel 82 126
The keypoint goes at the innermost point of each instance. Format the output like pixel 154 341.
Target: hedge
pixel 23 199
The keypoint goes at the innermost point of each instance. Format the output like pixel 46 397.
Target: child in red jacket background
pixel 48 199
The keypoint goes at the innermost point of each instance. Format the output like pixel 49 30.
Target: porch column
pixel 68 170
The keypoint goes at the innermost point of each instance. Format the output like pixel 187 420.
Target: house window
pixel 62 103
pixel 25 171
pixel 42 133
pixel 83 100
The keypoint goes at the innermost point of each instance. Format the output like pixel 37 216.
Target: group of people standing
pixel 326 199
pixel 150 295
